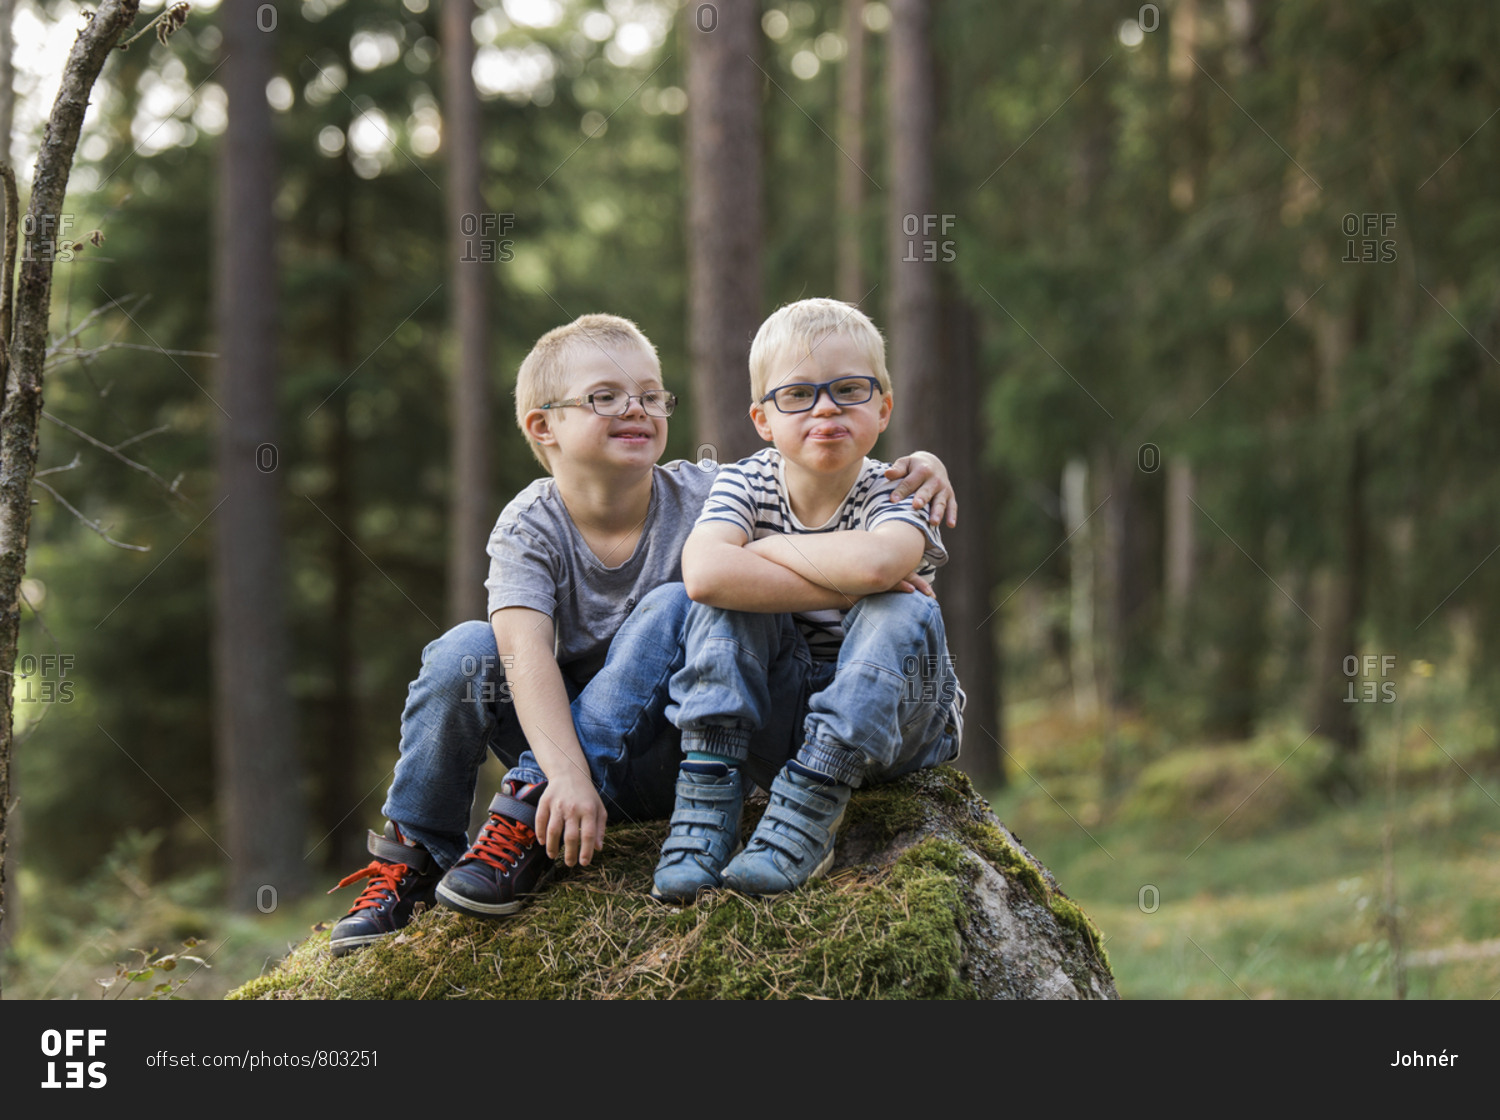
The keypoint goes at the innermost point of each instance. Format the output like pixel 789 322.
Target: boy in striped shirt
pixel 803 576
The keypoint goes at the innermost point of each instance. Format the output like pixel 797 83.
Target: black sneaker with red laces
pixel 506 864
pixel 400 876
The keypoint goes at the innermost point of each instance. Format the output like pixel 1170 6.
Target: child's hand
pixel 914 582
pixel 570 819
pixel 924 476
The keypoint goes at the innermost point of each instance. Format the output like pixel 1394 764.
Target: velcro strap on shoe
pixel 709 791
pixel 816 805
pixel 699 845
pixel 393 851
pixel 506 806
pixel 709 818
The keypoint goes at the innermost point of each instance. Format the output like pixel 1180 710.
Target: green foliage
pixel 1156 250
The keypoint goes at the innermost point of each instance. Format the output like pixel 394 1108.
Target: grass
pixel 1198 904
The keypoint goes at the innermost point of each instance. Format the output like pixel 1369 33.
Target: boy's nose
pixel 634 406
pixel 825 404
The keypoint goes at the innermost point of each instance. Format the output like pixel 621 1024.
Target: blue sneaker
pixel 705 831
pixel 794 841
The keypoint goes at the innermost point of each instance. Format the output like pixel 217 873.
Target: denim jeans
pixel 459 708
pixel 881 710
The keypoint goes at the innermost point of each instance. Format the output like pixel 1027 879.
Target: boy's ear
pixel 758 416
pixel 538 426
pixel 887 402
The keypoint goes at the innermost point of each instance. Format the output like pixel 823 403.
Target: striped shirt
pixel 752 495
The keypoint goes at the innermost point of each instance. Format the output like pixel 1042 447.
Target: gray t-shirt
pixel 539 560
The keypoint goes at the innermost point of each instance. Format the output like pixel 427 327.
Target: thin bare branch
pixel 74 332
pixel 77 458
pixel 94 351
pixel 169 487
pixel 94 525
pixel 12 233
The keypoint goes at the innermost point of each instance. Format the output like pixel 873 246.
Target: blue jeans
pixel 881 710
pixel 459 708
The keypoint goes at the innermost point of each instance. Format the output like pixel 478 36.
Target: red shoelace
pixel 501 842
pixel 385 878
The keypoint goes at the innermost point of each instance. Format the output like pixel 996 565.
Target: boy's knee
pixel 896 608
pixel 669 598
pixel 467 650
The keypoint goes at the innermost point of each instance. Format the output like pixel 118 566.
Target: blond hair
pixel 543 376
pixel 794 331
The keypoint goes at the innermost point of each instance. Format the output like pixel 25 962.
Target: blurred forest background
pixel 1198 300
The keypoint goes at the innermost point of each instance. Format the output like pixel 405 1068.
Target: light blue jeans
pixel 881 710
pixel 458 710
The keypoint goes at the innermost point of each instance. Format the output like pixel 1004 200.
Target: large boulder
pixel 929 897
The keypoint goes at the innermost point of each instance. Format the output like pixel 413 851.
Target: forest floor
pixel 1215 871
pixel 1224 880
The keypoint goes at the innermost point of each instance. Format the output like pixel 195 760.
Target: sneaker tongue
pixel 529 792
pixel 393 832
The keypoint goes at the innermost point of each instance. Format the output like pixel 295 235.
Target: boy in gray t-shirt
pixel 567 682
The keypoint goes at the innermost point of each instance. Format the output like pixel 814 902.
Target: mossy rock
pixel 930 897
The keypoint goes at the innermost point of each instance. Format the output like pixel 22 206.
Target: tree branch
pixel 94 525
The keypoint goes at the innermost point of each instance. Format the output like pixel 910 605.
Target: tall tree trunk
pixel 966 583
pixel 1338 584
pixel 470 501
pixel 724 219
pixel 911 225
pixel 1239 622
pixel 23 353
pixel 1181 547
pixel 259 769
pixel 10 826
pixel 1077 525
pixel 340 739
pixel 849 275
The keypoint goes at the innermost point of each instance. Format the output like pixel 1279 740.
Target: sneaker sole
pixel 478 909
pixel 678 899
pixel 349 944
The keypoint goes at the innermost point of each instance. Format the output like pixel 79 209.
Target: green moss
pixel 895 931
pixel 1010 861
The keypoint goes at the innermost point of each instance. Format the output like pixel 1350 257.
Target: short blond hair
pixel 543 376
pixel 795 330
